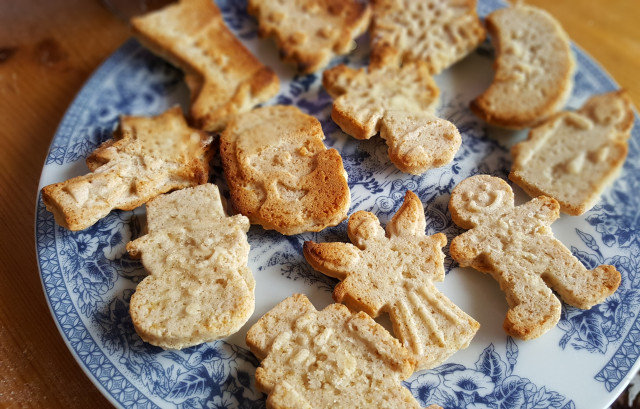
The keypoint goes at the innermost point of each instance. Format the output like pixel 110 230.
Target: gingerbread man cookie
pixel 516 246
pixel 395 273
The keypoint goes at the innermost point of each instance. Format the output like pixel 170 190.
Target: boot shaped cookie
pixel 199 287
pixel 394 273
pixel 223 76
pixel 398 103
pixel 516 246
pixel 145 158
pixel 328 359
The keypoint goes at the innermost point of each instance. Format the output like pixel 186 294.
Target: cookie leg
pixel 533 308
pixel 575 284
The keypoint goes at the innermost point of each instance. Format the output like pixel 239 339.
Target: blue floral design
pixel 491 383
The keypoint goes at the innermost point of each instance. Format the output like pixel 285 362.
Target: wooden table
pixel 47 50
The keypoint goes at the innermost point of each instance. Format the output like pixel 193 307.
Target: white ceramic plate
pixel 584 362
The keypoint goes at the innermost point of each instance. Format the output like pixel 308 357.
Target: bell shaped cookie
pixel 394 271
pixel 280 174
pixel 146 157
pixel 516 246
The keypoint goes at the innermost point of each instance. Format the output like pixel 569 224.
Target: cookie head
pixel 478 198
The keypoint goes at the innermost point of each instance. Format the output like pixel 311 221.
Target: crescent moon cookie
pixel 398 103
pixel 534 68
pixel 310 32
pixel 516 246
pixel 223 76
pixel 573 156
pixel 199 287
pixel 328 359
pixel 438 32
pixel 279 172
pixel 393 272
pixel 146 157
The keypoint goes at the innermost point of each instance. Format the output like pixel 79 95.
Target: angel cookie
pixel 223 76
pixel 310 32
pixel 534 68
pixel 146 157
pixel 328 359
pixel 199 287
pixel 516 246
pixel 394 273
pixel 398 103
pixel 573 156
pixel 279 172
pixel 438 32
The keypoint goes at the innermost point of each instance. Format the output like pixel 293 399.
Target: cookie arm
pixel 466 249
pixel 336 259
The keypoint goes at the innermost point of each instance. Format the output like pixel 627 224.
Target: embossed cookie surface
pixel 573 156
pixel 394 273
pixel 223 76
pixel 534 68
pixel 310 32
pixel 279 172
pixel 199 287
pixel 438 32
pixel 328 359
pixel 398 103
pixel 146 157
pixel 516 246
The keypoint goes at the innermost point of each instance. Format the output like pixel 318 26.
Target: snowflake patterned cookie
pixel 398 103
pixel 516 246
pixel 395 273
pixel 310 32
pixel 573 156
pixel 438 32
pixel 328 359
pixel 279 172
pixel 223 76
pixel 199 287
pixel 534 68
pixel 145 158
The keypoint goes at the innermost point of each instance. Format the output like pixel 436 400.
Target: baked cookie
pixel 146 157
pixel 279 172
pixel 516 246
pixel 310 32
pixel 534 68
pixel 398 103
pixel 438 32
pixel 328 359
pixel 394 273
pixel 199 287
pixel 573 156
pixel 223 76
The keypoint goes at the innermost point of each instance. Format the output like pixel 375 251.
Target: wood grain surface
pixel 47 50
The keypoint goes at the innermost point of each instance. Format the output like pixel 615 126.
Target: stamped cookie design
pixel 534 68
pixel 399 103
pixel 328 359
pixel 310 32
pixel 199 287
pixel 516 246
pixel 573 156
pixel 394 273
pixel 438 32
pixel 223 76
pixel 146 157
pixel 279 172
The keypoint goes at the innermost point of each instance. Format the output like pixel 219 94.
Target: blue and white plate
pixel 584 362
